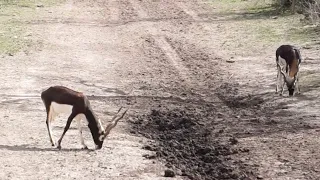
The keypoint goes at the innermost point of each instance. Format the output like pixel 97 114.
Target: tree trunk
pixel 293 6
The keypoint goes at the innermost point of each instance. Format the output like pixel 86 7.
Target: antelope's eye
pixel 101 137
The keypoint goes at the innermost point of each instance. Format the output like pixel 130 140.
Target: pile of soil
pixel 184 139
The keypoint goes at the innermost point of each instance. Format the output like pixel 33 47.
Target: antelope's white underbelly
pixel 61 108
pixel 56 109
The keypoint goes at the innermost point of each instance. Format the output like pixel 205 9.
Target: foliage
pixel 310 8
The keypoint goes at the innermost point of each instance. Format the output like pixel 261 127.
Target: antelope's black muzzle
pixel 291 91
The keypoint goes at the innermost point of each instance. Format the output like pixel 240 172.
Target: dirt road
pixel 158 58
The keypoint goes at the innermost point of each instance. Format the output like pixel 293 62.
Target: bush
pixel 310 8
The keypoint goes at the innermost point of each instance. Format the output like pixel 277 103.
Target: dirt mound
pixel 184 139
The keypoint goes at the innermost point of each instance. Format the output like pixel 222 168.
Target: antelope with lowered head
pixel 60 99
pixel 288 58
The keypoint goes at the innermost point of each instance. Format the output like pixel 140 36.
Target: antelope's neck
pixel 293 68
pixel 94 122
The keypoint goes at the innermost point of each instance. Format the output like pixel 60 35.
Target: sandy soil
pixel 160 58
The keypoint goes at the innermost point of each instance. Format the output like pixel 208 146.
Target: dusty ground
pixel 167 61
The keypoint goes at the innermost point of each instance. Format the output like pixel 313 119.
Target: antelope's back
pixel 286 52
pixel 63 95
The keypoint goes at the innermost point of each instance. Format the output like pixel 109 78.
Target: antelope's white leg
pixel 284 82
pixel 278 78
pixel 78 119
pixel 53 117
pixel 50 119
pixel 297 84
pixel 298 74
pixel 49 130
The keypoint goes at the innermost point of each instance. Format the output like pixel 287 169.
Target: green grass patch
pixel 305 33
pixel 14 35
pixel 261 22
pixel 30 3
pixel 285 29
pixel 228 6
pixel 11 38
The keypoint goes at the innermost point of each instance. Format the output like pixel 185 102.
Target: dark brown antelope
pixel 288 58
pixel 59 99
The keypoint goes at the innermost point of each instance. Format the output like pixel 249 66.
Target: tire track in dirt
pixel 188 10
pixel 165 45
pixel 174 58
pixel 160 10
pixel 156 73
pixel 187 59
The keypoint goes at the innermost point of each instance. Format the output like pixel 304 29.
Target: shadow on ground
pixel 27 147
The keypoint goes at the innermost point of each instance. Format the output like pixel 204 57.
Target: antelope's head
pixel 290 82
pixel 105 132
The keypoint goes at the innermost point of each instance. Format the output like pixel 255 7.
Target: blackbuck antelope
pixel 288 57
pixel 59 99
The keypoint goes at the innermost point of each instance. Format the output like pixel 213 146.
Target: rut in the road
pixel 185 139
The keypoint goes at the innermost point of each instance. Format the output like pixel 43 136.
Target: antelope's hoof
pixel 85 147
pixel 59 147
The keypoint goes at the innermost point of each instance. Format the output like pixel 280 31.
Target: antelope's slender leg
pixel 278 77
pixel 284 82
pixel 50 118
pixel 49 130
pixel 298 75
pixel 297 83
pixel 66 128
pixel 84 146
pixel 298 87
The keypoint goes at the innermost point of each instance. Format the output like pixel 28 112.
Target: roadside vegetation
pixel 260 24
pixel 309 8
pixel 14 18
